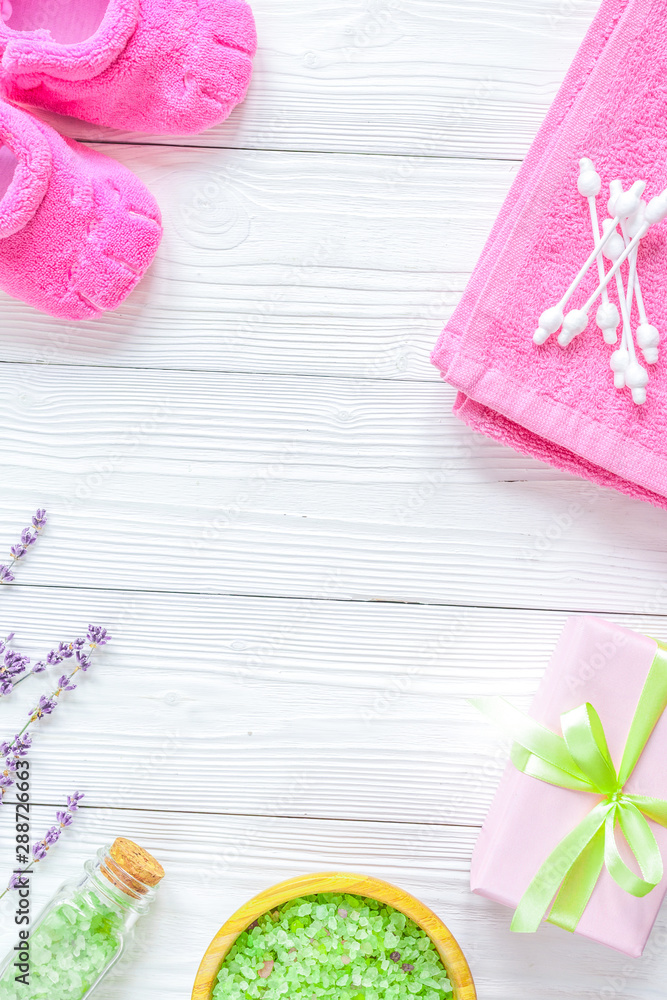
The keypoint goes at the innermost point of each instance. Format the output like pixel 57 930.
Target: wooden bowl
pixel 335 882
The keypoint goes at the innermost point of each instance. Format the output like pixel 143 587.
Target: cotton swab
pixel 589 186
pixel 552 319
pixel 648 336
pixel 631 372
pixel 656 211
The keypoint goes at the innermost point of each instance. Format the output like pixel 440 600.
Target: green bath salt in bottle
pixel 85 928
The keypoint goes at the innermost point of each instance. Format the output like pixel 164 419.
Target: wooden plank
pixel 465 78
pixel 324 709
pixel 290 487
pixel 282 262
pixel 214 865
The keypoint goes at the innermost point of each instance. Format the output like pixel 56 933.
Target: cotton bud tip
pixel 647 336
pixel 550 321
pixel 608 319
pixel 636 379
pixel 615 190
pixel 574 323
pixel 628 203
pixel 656 210
pixel 618 362
pixel 614 247
pixel 589 183
pixel 634 225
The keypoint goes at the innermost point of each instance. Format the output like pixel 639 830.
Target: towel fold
pixel 557 404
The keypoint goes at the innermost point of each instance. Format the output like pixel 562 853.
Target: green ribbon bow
pixel 580 759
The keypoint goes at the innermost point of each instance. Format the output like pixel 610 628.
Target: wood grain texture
pixel 286 263
pixel 336 882
pixel 461 78
pixel 276 487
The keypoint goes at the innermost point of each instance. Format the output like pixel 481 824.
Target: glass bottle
pixel 84 929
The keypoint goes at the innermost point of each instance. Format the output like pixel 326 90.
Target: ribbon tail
pixel 643 845
pixel 538 897
pixel 655 809
pixel 652 703
pixel 578 885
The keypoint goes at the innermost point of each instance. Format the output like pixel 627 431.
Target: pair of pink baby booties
pixel 77 229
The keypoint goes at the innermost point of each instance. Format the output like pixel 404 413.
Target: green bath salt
pixel 333 946
pixel 68 951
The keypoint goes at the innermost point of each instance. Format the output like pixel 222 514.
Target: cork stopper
pixel 131 868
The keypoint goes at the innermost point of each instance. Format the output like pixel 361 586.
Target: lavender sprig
pixel 96 637
pixel 40 848
pixel 64 651
pixel 28 537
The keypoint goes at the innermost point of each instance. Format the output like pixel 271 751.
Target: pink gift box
pixel 606 665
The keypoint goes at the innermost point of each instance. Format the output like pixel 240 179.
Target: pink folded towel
pixel 557 404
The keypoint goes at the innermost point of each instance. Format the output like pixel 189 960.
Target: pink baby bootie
pixel 175 66
pixel 77 230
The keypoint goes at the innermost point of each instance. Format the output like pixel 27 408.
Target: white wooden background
pixel 255 481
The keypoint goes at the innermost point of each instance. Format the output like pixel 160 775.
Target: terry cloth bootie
pixel 174 66
pixel 77 230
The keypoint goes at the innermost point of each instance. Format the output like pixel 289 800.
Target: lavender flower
pixel 12 665
pixel 7 772
pixel 52 836
pixel 28 537
pixel 21 744
pixel 97 636
pixel 83 659
pixel 45 707
pixel 73 801
pixel 41 848
pixel 64 684
pixel 39 519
